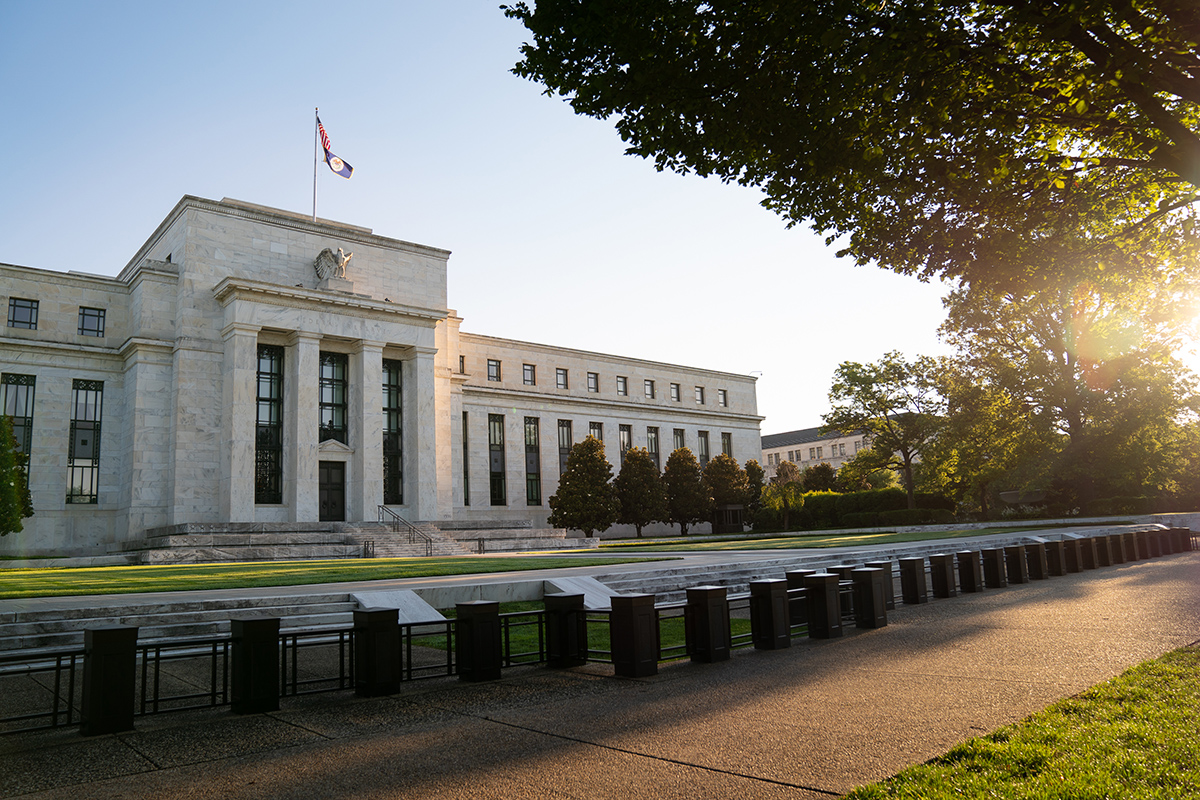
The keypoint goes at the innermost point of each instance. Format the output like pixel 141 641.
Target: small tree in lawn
pixel 640 491
pixel 688 498
pixel 15 502
pixel 755 479
pixel 585 500
pixel 785 492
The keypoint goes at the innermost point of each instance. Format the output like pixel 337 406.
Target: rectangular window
pixel 625 432
pixel 268 436
pixel 332 400
pixel 83 456
pixel 650 390
pixel 812 453
pixel 841 448
pixel 596 431
pixel 679 440
pixel 652 446
pixel 565 442
pixel 91 321
pixel 462 365
pixel 675 392
pixel 820 452
pixel 622 385
pixel 727 444
pixel 22 313
pixel 857 445
pixel 700 395
pixel 466 461
pixel 560 378
pixel 533 463
pixel 493 369
pixel 17 404
pixel 722 398
pixel 393 462
pixel 529 374
pixel 499 492
pixel 702 448
pixel 791 456
pixel 593 381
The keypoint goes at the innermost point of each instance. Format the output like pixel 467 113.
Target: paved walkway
pixel 809 722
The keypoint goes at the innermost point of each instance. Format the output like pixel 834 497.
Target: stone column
pixel 239 417
pixel 364 490
pixel 420 435
pixel 301 426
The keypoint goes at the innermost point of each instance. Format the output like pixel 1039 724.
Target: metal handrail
pixel 413 531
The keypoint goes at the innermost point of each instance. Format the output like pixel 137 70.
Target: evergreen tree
pixel 585 500
pixel 15 502
pixel 727 481
pixel 688 498
pixel 755 480
pixel 820 478
pixel 640 491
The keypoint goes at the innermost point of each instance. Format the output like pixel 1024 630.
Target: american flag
pixel 324 135
pixel 336 164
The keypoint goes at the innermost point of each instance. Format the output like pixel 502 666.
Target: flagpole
pixel 316 160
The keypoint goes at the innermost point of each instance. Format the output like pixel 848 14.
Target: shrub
pixel 820 509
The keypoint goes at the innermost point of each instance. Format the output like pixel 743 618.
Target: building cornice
pixel 231 289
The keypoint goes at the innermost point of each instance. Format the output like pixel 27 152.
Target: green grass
pixel 1135 736
pixel 810 540
pixel 192 577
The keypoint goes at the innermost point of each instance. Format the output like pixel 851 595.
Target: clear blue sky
pixel 116 110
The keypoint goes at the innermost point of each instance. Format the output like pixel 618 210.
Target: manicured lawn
pixel 816 540
pixel 191 577
pixel 1135 736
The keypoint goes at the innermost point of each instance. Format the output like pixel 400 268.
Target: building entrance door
pixel 331 478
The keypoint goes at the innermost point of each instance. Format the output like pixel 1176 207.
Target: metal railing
pixel 186 658
pixel 20 679
pixel 415 534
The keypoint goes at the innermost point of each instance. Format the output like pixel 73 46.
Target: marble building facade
pixel 232 373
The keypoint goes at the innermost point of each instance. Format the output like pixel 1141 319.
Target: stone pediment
pixel 333 446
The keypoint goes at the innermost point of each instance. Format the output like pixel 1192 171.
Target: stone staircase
pixel 400 544
pixel 169 619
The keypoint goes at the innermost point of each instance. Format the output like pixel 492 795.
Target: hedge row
pixel 861 510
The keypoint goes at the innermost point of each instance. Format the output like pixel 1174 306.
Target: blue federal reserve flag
pixel 335 163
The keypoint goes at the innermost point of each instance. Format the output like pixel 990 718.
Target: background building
pixel 250 365
pixel 807 447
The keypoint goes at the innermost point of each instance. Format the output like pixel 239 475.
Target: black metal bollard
pixel 478 647
pixel 1170 539
pixel 995 576
pixel 1087 547
pixel 566 630
pixel 1155 544
pixel 1143 544
pixel 1116 548
pixel 941 573
pixel 770 620
pixel 1056 558
pixel 870 604
pixel 706 624
pixel 889 586
pixel 798 607
pixel 913 587
pixel 824 608
pixel 634 633
pixel 109 679
pixel 1103 552
pixel 1072 555
pixel 1014 560
pixel 1130 541
pixel 970 573
pixel 1035 560
pixel 254 671
pixel 377 669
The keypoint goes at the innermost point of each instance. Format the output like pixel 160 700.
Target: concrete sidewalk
pixel 812 721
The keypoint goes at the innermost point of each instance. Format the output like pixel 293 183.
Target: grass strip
pixel 806 541
pixel 57 582
pixel 1132 737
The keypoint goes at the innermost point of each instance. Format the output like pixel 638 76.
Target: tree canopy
pixel 640 491
pixel 688 497
pixel 15 502
pixel 1013 144
pixel 727 481
pixel 895 403
pixel 585 499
